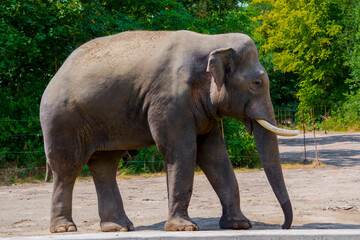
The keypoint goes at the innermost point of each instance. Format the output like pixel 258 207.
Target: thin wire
pixel 18 120
pixel 28 152
pixel 18 169
pixel 25 134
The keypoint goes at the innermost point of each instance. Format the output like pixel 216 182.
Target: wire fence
pixel 308 120
pixel 286 117
pixel 292 117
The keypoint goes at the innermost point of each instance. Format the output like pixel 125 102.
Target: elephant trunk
pixel 267 145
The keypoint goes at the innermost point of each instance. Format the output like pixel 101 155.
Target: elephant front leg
pixel 180 176
pixel 213 159
pixel 179 151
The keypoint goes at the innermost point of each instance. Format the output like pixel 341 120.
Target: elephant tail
pixel 48 172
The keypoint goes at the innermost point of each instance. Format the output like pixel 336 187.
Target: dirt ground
pixel 323 198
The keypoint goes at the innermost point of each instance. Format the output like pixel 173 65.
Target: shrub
pixel 347 116
pixel 241 146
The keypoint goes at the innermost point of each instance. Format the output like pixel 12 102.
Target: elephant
pixel 135 89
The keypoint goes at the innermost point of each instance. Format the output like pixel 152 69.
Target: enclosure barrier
pixel 285 117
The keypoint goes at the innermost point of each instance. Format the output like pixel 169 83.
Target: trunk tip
pixel 287 209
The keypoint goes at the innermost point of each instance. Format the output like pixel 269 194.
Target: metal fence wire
pixel 285 117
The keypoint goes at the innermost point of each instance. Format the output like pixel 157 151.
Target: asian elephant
pixel 140 88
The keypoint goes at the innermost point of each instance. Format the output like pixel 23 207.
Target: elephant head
pixel 240 89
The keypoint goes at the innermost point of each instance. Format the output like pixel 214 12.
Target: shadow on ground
pixel 336 149
pixel 212 224
pixel 321 139
pixel 340 158
pixel 203 223
pixel 327 226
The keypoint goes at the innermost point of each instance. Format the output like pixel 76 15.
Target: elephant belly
pixel 125 142
pixel 123 136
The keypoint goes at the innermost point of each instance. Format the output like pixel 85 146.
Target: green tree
pixel 240 145
pixel 351 10
pixel 36 36
pixel 347 114
pixel 305 38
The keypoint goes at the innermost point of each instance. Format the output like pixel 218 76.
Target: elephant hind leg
pixel 103 166
pixel 67 153
pixel 61 219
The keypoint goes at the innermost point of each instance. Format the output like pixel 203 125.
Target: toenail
pixel 235 225
pixel 71 229
pixel 189 228
pixel 246 226
pixel 61 229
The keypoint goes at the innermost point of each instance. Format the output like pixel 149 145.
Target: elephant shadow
pixel 203 223
pixel 212 224
pixel 307 226
pixel 327 226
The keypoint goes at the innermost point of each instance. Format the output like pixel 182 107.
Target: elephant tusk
pixel 278 131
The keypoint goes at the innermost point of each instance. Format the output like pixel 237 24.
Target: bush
pixel 21 145
pixel 37 36
pixel 241 146
pixel 145 160
pixel 347 116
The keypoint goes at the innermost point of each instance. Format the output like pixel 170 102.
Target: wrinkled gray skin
pixel 136 89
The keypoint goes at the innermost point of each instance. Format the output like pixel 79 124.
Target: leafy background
pixel 310 48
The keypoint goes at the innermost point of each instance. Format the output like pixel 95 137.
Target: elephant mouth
pixel 278 131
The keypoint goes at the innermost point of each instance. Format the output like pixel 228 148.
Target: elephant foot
pixel 115 227
pixel 62 225
pixel 240 222
pixel 179 224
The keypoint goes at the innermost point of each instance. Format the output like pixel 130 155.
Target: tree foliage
pixel 36 36
pixel 241 146
pixel 310 48
pixel 306 38
pixel 352 36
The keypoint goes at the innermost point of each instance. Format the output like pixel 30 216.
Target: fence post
pixel 287 117
pixel 325 122
pixel 222 129
pixel 56 64
pixel 316 151
pixel 303 118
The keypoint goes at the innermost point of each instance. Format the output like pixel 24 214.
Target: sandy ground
pixel 322 198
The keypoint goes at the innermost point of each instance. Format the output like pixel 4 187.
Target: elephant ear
pixel 221 65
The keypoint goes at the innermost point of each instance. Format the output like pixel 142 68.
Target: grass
pixel 300 165
pixel 20 176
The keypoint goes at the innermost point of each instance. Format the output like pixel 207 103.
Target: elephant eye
pixel 255 85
